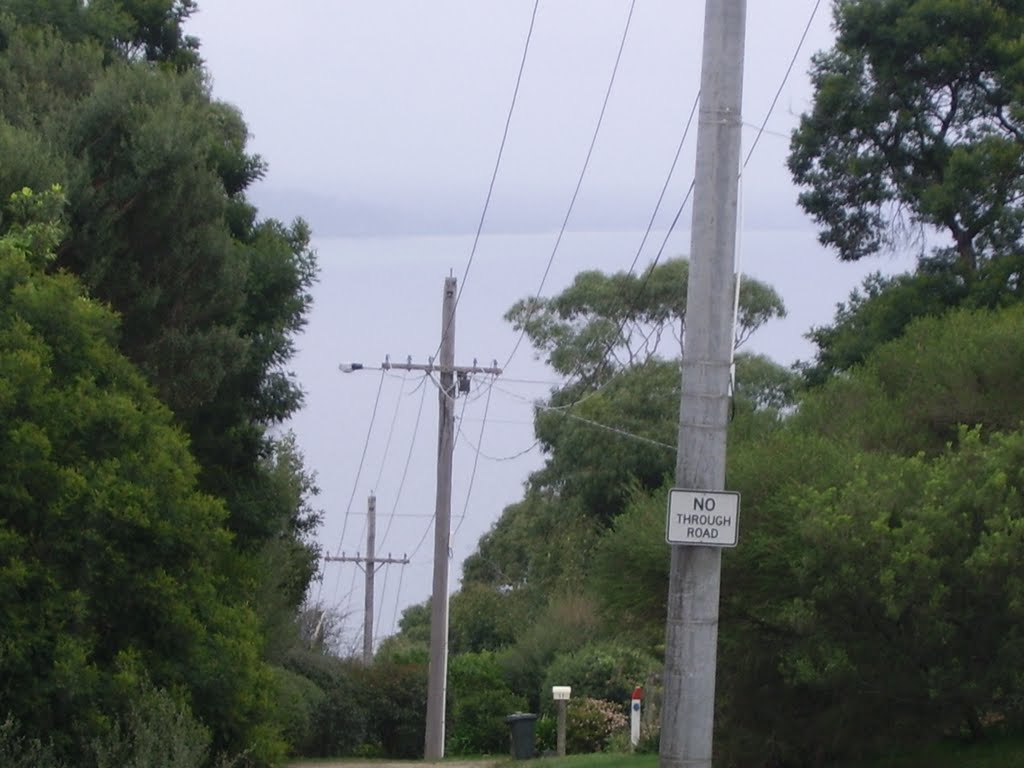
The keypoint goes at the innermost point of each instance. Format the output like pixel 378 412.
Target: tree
pixel 480 701
pixel 877 313
pixel 605 333
pixel 160 229
pixel 870 518
pixel 609 434
pixel 149 30
pixel 537 547
pixel 913 394
pixel 604 323
pixel 603 670
pixel 630 571
pixel 916 123
pixel 897 610
pixel 114 566
pixel 109 99
pixel 483 618
pixel 867 521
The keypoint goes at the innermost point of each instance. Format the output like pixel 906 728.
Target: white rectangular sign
pixel 703 518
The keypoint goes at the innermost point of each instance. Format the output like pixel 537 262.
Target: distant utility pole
pixel 369 565
pixel 692 631
pixel 449 373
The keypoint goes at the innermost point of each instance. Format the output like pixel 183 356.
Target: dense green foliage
pixel 604 323
pixel 113 565
pixel 916 120
pixel 153 529
pixel 876 589
pixel 481 699
pixel 603 670
pixel 874 602
pixel 915 135
pixel 530 597
pixel 154 535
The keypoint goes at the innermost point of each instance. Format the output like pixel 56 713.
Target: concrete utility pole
pixel 369 565
pixel 692 632
pixel 437 675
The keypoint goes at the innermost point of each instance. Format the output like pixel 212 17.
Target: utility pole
pixel 448 372
pixel 437 674
pixel 369 565
pixel 692 631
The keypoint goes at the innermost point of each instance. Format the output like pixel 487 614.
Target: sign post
pixel 561 694
pixel 634 717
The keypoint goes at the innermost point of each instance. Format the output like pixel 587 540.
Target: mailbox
pixel 561 692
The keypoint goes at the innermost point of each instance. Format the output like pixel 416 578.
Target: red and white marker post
pixel 634 716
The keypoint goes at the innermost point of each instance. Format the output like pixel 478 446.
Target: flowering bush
pixel 590 724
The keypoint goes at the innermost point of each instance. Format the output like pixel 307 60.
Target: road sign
pixel 703 518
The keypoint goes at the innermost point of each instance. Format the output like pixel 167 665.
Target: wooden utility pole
pixel 437 675
pixel 692 631
pixel 369 565
pixel 449 374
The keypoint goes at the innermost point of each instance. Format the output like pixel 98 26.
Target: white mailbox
pixel 561 692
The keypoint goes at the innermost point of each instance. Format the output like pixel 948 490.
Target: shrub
pixel 16 751
pixel 546 734
pixel 298 701
pixel 397 694
pixel 339 724
pixel 564 625
pixel 480 701
pixel 590 724
pixel 156 732
pixel 603 670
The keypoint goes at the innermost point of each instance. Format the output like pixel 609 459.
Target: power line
pixel 387 448
pixel 664 188
pixel 538 382
pixel 497 162
pixel 398 596
pixel 767 132
pixel 590 422
pixel 391 431
pixel 355 484
pixel 383 594
pixel 405 469
pixel 510 457
pixel 476 459
pixel 423 538
pixel 348 596
pixel 785 78
pixel 567 408
pixel 362 459
pixel 648 273
pixel 583 172
pixel 761 130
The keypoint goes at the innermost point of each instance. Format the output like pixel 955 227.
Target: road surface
pixel 489 763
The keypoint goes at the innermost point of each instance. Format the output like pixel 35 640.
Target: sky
pixel 381 124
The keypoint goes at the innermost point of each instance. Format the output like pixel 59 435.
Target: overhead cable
pixel 582 175
pixel 497 161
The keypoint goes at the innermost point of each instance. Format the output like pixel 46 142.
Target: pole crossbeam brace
pixel 358 560
pixel 431 367
pixel 369 566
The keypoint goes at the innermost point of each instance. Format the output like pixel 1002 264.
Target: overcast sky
pixel 385 117
pixel 381 123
